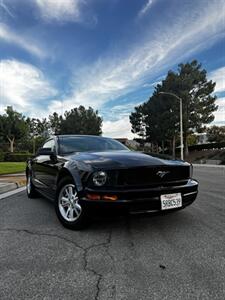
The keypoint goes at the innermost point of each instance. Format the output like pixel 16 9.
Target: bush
pixel 207 146
pixel 2 156
pixel 17 157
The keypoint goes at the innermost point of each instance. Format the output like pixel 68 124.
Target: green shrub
pixel 17 157
pixel 207 146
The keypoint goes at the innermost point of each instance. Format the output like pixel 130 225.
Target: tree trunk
pixel 163 147
pixel 186 152
pixel 157 148
pixel 186 148
pixel 11 142
pixel 174 146
pixel 34 146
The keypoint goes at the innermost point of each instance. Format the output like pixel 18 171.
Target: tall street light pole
pixel 181 122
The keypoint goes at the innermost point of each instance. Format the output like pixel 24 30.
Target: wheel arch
pixel 66 172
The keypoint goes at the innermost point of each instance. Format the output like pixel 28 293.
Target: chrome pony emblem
pixel 162 173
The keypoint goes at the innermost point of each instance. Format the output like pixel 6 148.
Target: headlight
pixel 99 178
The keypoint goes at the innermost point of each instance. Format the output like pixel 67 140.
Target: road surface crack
pixel 99 276
pixel 85 251
pixel 44 234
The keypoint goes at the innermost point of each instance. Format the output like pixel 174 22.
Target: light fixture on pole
pixel 181 122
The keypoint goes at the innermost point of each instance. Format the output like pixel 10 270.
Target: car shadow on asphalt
pixel 141 221
pixel 145 221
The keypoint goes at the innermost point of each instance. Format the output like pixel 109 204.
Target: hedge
pixel 207 146
pixel 17 157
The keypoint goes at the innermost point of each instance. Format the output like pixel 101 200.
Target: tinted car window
pixel 83 144
pixel 49 144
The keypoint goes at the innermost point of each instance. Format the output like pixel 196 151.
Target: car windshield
pixel 72 144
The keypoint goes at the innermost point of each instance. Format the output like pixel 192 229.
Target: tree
pixel 12 126
pixel 159 119
pixel 192 139
pixel 55 121
pixel 198 101
pixel 138 121
pixel 38 130
pixel 81 121
pixel 161 116
pixel 216 134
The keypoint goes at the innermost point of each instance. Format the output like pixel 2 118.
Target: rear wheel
pixel 31 191
pixel 71 213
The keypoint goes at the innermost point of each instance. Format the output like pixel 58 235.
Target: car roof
pixel 80 135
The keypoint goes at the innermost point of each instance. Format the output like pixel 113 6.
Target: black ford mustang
pixel 83 174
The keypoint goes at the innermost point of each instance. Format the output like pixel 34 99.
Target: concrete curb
pixel 10 186
pixel 11 193
pixel 7 186
pixel 21 183
pixel 209 166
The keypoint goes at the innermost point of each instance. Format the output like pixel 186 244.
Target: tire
pixel 70 212
pixel 31 190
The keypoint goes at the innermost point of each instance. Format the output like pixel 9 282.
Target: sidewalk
pixel 11 182
pixel 209 166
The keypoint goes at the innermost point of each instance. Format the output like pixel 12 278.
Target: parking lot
pixel 180 255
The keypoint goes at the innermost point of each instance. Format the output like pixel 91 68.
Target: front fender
pixel 75 170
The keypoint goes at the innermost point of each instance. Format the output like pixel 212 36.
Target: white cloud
pixel 122 128
pixel 118 129
pixel 24 87
pixel 109 78
pixel 121 110
pixel 192 29
pixel 7 35
pixel 218 76
pixel 115 76
pixel 60 10
pixel 220 113
pixel 6 9
pixel 145 8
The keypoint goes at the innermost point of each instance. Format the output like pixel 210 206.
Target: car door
pixel 46 169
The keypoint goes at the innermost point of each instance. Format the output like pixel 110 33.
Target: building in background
pixel 201 138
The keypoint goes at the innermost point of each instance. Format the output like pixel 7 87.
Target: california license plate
pixel 170 201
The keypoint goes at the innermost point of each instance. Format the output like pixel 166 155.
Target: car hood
pixel 121 159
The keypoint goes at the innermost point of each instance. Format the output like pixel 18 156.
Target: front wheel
pixel 68 208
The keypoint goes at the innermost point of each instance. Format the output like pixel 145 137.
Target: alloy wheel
pixel 68 203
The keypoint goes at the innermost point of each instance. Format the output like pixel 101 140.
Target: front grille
pixel 148 176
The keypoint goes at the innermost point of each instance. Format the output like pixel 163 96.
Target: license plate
pixel 169 201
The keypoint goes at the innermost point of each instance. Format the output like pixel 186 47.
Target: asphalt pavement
pixel 180 255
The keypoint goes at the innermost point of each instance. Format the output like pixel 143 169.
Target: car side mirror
pixel 49 152
pixel 44 151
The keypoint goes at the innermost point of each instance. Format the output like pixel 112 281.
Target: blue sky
pixel 108 54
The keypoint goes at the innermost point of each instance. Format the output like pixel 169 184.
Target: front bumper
pixel 138 200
